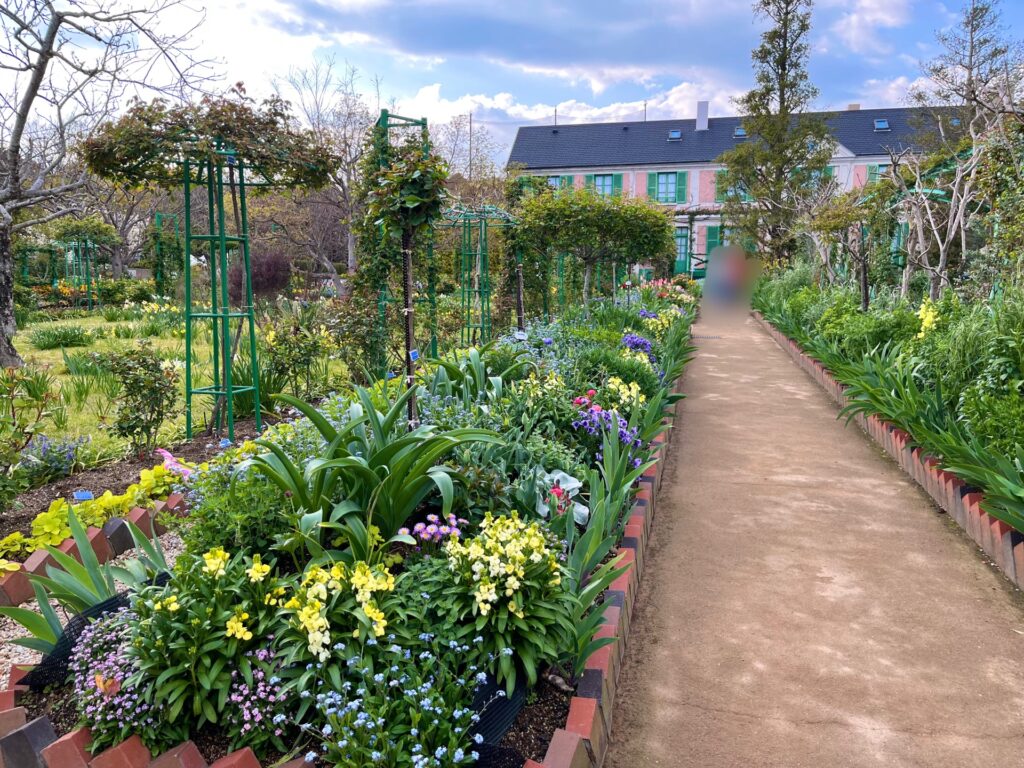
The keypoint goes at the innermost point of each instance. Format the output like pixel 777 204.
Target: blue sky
pixel 515 61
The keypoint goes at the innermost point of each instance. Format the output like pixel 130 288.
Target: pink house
pixel 675 162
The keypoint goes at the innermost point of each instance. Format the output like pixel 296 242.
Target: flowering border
pixel 581 743
pixel 1002 543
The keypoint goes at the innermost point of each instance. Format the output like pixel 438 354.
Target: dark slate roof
pixel 604 145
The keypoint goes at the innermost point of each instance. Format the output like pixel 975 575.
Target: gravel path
pixel 804 603
pixel 10 630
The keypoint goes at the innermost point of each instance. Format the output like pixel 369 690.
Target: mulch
pixel 115 477
pixel 546 710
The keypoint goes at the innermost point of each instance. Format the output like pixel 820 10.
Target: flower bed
pixel 1003 544
pixel 351 579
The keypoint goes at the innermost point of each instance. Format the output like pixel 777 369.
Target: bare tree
pixel 471 153
pixel 810 205
pixel 66 70
pixel 970 84
pixel 129 211
pixel 333 107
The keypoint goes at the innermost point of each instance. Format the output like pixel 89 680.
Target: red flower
pixel 591 392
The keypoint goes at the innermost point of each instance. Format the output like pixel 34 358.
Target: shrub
pixel 57 336
pixel 996 419
pixel 149 392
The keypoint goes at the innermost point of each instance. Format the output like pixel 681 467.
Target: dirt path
pixel 787 619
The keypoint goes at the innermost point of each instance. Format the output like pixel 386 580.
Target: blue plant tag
pixel 414 355
pixel 80 496
pixel 389 375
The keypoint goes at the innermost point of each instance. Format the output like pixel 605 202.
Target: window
pixel 666 188
pixel 554 181
pixel 876 172
pixel 675 135
pixel 824 175
pixel 723 193
pixel 603 184
pixel 739 132
pixel 882 124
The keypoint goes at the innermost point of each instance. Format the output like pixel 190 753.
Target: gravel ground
pixel 10 630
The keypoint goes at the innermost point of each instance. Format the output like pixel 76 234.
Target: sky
pixel 514 62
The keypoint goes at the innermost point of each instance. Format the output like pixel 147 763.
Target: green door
pixel 682 265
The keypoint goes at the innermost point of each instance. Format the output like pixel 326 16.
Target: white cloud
pixel 891 92
pixel 857 27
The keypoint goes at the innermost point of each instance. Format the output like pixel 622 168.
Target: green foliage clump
pixel 149 394
pixel 599 363
pixel 59 336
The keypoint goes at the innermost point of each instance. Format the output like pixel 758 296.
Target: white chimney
pixel 853 108
pixel 702 115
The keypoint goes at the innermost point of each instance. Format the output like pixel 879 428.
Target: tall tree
pixel 973 86
pixel 767 172
pixel 66 68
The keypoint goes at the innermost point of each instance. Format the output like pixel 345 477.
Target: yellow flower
pixel 216 561
pixel 258 571
pixel 929 315
pixel 236 626
pixel 169 604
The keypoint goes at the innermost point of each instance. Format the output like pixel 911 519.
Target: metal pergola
pixel 474 223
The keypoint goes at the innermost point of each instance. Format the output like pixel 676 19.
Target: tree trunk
pixel 905 283
pixel 350 250
pixel 865 290
pixel 934 285
pixel 587 270
pixel 407 304
pixel 9 357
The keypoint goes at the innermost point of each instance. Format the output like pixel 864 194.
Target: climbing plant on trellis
pixel 405 195
pixel 223 147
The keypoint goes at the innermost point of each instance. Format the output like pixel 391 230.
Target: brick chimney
pixel 853 108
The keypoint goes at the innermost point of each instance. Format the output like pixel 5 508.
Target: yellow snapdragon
pixel 258 571
pixel 216 562
pixel 929 315
pixel 236 626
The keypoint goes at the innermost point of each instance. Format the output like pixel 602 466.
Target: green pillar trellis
pixel 158 224
pixel 82 272
pixel 382 134
pixel 220 246
pixel 474 223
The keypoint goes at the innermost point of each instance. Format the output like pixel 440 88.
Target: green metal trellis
pixel 474 222
pixel 82 272
pixel 159 220
pixel 220 247
pixel 385 123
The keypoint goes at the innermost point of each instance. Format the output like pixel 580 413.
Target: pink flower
pixel 591 392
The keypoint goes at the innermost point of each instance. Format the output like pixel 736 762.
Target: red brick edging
pixel 1003 545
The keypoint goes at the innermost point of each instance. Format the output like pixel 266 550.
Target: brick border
pixel 107 542
pixel 1003 544
pixel 582 743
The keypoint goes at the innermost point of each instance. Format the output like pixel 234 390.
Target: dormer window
pixel 675 135
pixel 882 124
pixel 739 132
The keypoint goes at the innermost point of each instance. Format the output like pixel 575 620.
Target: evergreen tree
pixel 785 147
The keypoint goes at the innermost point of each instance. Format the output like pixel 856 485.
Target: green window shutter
pixel 830 171
pixel 567 182
pixel 682 187
pixel 872 174
pixel 714 239
pixel 652 185
pixel 588 181
pixel 617 184
pixel 720 186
